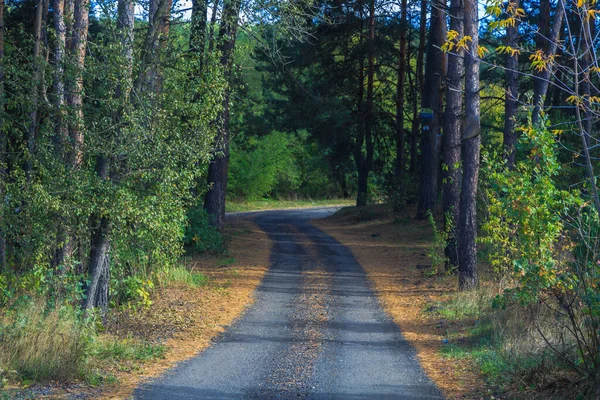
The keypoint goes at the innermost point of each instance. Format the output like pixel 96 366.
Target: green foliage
pixel 525 215
pixel 545 241
pixel 127 349
pixel 181 274
pixel 200 235
pixel 268 161
pixel 437 250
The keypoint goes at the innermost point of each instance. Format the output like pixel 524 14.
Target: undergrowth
pixel 503 342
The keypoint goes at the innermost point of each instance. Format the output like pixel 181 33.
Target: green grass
pixel 269 204
pixel 496 340
pixel 127 350
pixel 181 274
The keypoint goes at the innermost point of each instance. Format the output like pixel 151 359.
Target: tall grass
pixel 43 344
pixel 505 342
pixel 181 274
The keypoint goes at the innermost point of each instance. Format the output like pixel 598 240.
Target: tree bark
pixel 30 134
pixel 60 132
pixel 467 266
pixel 213 22
pixel 432 99
pixel 414 137
pixel 542 79
pixel 198 29
pixel 77 51
pixel 149 78
pixel 453 115
pixel 367 160
pixel 99 261
pixel 511 105
pixel 214 202
pixel 400 133
pixel 3 144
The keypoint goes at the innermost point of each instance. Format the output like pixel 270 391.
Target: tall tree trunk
pixel 149 79
pixel 30 134
pixel 432 99
pixel 3 144
pixel 366 160
pixel 400 133
pixel 467 254
pixel 213 22
pixel 214 202
pixel 60 29
pixel 198 29
pixel 77 51
pixel 511 105
pixel 453 115
pixel 60 137
pixel 414 137
pixel 542 79
pixel 99 261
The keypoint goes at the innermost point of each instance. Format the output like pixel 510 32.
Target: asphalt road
pixel 316 331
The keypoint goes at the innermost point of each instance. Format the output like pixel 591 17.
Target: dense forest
pixel 126 127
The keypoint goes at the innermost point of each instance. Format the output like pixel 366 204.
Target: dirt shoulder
pixel 187 319
pixel 392 250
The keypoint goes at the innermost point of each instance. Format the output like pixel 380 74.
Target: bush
pixel 200 235
pixel 545 243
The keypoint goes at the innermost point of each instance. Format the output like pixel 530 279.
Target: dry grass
pixel 186 319
pixel 390 248
pixel 42 345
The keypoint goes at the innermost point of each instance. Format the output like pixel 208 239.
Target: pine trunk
pixel 3 143
pixel 77 50
pixel 433 100
pixel 467 248
pixel 214 202
pixel 400 133
pixel 414 138
pixel 453 116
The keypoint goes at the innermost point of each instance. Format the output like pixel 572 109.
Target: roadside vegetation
pixel 128 128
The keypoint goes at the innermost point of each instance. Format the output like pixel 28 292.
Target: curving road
pixel 316 331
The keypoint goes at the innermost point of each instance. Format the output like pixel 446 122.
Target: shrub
pixel 200 235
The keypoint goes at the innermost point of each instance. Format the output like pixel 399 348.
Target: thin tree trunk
pixel 542 79
pixel 99 261
pixel 467 266
pixel 414 138
pixel 214 202
pixel 432 99
pixel 148 79
pixel 198 29
pixel 75 97
pixel 60 29
pixel 511 105
pixel 453 115
pixel 3 144
pixel 367 159
pixel 37 81
pixel 63 248
pixel 213 22
pixel 400 133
